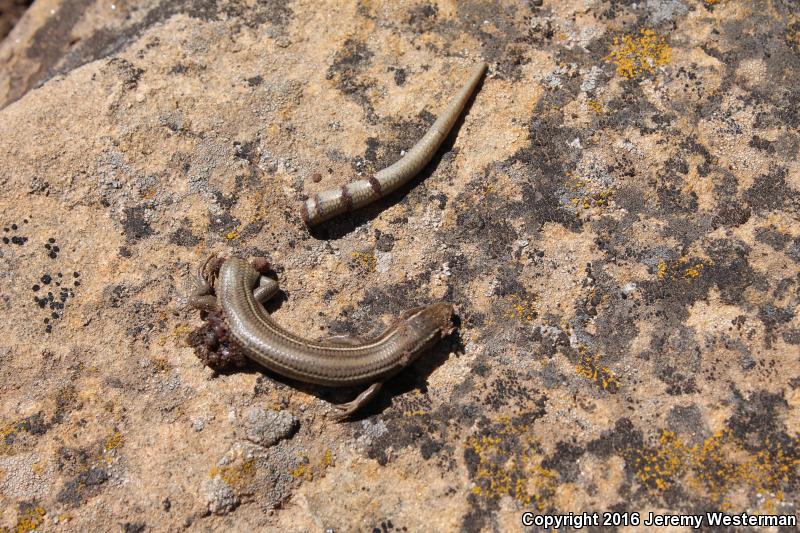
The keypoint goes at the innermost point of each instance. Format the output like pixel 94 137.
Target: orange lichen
pixel 682 268
pixel 589 367
pixel 149 193
pixel 113 441
pixel 6 431
pixel 596 106
pixel 523 307
pixel 509 464
pixel 635 56
pixel 30 517
pixel 718 467
pixel 235 475
pixel 584 197
pixel 307 471
pixel 367 261
pixel 303 471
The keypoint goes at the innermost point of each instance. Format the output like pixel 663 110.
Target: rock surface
pixel 616 220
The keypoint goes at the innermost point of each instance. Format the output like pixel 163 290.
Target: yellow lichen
pixel 635 55
pixel 509 464
pixel 367 261
pixel 682 268
pixel 113 441
pixel 29 519
pixel 303 471
pixel 718 467
pixel 231 235
pixel 596 106
pixel 523 307
pixel 6 431
pixel 589 367
pixel 585 198
pixel 149 193
pixel 306 470
pixel 180 331
pixel 235 475
pixel 327 459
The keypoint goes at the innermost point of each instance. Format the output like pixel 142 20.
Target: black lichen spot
pixel 245 150
pixel 731 216
pixel 791 336
pixel 677 382
pixel 34 424
pixel 370 154
pixel 618 441
pixel 348 64
pixel 509 389
pixel 771 316
pixel 276 12
pixel 131 527
pixel 400 76
pixel 135 225
pixel 687 420
pixel 184 237
pixel 757 418
pixel 565 461
pixel 762 144
pixel 52 248
pixel 254 81
pixel 83 486
pixel 225 202
pixel 773 238
pixel 384 242
pixel 180 68
pixel 223 224
pixel 18 240
pixel 770 191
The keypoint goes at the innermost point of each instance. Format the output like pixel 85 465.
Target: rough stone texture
pixel 616 221
pixel 267 428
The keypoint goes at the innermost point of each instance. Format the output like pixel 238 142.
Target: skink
pixel 327 204
pixel 237 290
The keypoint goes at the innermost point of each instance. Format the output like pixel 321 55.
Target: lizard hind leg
pixel 209 270
pixel 346 410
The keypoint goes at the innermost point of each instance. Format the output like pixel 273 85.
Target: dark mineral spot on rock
pixel 183 236
pixel 83 486
pixel 136 225
pixel 254 81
